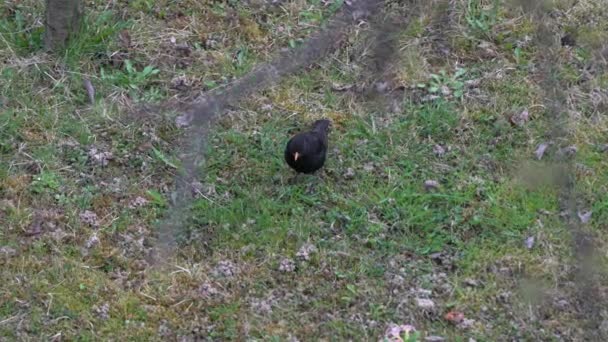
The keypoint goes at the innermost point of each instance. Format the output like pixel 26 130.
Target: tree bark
pixel 62 21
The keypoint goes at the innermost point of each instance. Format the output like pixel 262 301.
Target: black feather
pixel 311 147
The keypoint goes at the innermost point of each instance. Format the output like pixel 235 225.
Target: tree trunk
pixel 62 21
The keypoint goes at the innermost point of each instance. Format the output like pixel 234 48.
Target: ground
pixel 464 196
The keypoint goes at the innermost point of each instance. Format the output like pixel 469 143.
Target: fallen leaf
pixel 454 317
pixel 345 87
pixel 125 39
pixel 90 89
pixel 471 282
pixel 540 150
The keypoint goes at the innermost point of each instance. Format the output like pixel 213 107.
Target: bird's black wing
pixel 319 141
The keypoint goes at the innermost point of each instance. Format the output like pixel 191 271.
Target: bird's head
pixel 298 148
pixel 321 125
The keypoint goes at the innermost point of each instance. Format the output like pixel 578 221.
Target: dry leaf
pixel 90 89
pixel 454 317
pixel 346 87
pixel 540 150
pixel 125 39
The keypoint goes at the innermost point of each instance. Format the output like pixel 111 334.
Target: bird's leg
pixel 294 179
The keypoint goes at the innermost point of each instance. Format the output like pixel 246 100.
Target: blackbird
pixel 306 151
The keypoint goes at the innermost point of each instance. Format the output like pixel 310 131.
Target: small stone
pixel 7 252
pixel 103 311
pixel 445 90
pixel 349 174
pixel 184 120
pixel 225 268
pixel 584 215
pixel 164 329
pixel 92 241
pixel 381 86
pixel 207 290
pixel 263 307
pixel 466 323
pixel 504 297
pixel 425 303
pixel 474 83
pixel 430 185
pixel 305 251
pixel 138 202
pixel 395 332
pixel 529 243
pixel 521 118
pixel 287 265
pixel 89 218
pixel 100 158
pixel 438 150
pixel 424 292
pixel 562 304
pixel 6 205
pixel 471 282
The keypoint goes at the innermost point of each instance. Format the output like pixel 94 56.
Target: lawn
pixel 464 195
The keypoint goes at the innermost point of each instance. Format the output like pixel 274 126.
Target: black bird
pixel 306 151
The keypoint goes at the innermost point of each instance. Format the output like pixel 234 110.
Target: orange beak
pixel 296 156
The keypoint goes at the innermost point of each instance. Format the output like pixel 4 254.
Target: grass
pixel 381 240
